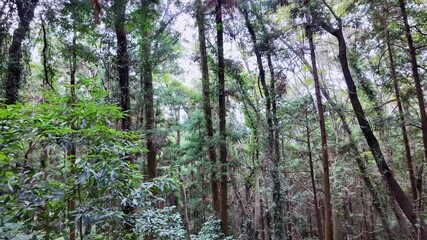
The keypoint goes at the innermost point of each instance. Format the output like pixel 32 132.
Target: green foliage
pixel 39 175
pixel 211 230
pixel 161 223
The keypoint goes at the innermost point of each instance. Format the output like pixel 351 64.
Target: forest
pixel 213 119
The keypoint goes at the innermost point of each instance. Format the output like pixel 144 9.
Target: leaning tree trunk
pixel 327 187
pixel 221 117
pixel 14 71
pixel 207 105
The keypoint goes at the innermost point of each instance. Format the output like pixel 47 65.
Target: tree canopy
pixel 215 119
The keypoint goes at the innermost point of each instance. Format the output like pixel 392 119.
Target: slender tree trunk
pixel 255 121
pixel 328 209
pixel 419 202
pixel 313 182
pixel 207 105
pixel 401 114
pixel 46 81
pixel 185 210
pixel 360 163
pixel 178 130
pixel 221 117
pixel 45 154
pixel 14 71
pixel 400 196
pixel 275 120
pixel 277 188
pixel 257 206
pixel 416 75
pixel 72 204
pixel 271 154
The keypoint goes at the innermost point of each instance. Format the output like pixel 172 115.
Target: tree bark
pixel 123 74
pixel 257 206
pixel 328 207
pixel 207 106
pixel 416 75
pixel 419 202
pixel 149 110
pixel 313 182
pixel 14 71
pixel 122 62
pixel 185 211
pixel 221 118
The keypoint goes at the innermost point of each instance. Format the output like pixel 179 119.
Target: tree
pixel 14 72
pixel 400 196
pixel 122 61
pixel 325 159
pixel 273 150
pixel 207 105
pixel 114 134
pixel 415 74
pixel 400 108
pixel 221 119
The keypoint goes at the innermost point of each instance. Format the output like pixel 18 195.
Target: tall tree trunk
pixel 275 132
pixel 149 110
pixel 122 61
pixel 45 154
pixel 221 117
pixel 401 113
pixel 14 71
pixel 360 163
pixel 207 105
pixel 327 188
pixel 271 154
pixel 416 75
pixel 123 73
pixel 72 204
pixel 255 122
pixel 275 120
pixel 313 182
pixel 400 196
